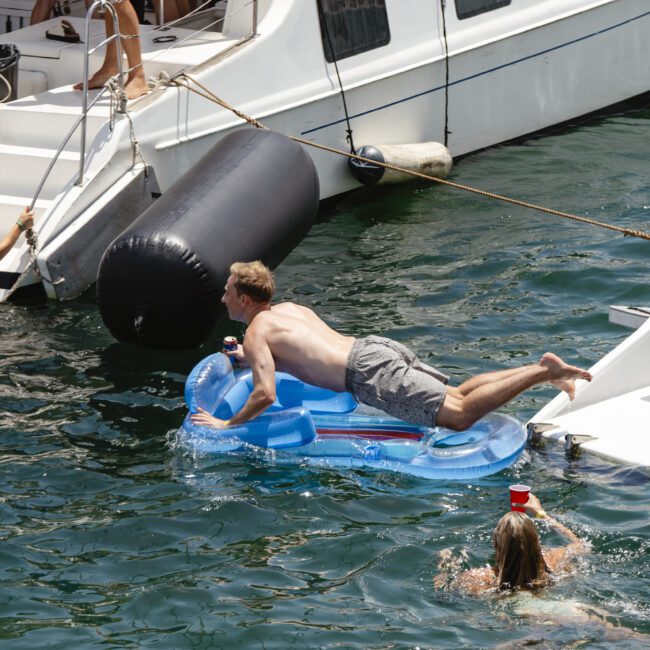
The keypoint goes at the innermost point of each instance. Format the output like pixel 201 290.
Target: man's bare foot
pixel 566 385
pixel 563 375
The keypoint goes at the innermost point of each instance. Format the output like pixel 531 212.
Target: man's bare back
pixel 302 344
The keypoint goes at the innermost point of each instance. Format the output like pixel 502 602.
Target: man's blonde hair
pixel 253 279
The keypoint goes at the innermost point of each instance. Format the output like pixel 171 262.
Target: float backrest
pixel 209 379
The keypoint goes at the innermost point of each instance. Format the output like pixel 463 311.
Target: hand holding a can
pixel 233 350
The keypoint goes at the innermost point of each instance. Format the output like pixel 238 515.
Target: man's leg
pixel 136 84
pixel 487 378
pixel 477 397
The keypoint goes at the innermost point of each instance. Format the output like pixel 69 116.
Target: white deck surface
pixel 63 62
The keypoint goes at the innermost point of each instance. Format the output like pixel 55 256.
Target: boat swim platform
pixel 32 127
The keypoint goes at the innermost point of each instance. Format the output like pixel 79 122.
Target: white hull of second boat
pixel 511 71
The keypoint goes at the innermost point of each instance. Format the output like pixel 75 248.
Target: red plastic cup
pixel 518 495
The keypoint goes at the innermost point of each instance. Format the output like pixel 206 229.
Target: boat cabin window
pixel 469 8
pixel 352 26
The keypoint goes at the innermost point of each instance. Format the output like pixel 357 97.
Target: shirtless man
pixel 377 371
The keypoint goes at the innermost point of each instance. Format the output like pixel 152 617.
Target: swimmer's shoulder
pixel 476 581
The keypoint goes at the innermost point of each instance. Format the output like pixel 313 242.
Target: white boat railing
pixel 116 36
pixel 87 106
pixel 65 141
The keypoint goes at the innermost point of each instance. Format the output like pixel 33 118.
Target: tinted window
pixel 354 26
pixel 469 8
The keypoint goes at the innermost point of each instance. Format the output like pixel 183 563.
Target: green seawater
pixel 111 536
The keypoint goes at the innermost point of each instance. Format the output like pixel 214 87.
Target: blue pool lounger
pixel 320 427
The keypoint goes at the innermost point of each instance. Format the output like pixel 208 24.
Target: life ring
pixel 322 427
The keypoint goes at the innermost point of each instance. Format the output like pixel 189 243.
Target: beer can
pixel 230 343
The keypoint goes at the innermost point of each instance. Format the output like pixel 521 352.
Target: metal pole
pixel 84 101
pixel 65 141
pixel 84 96
pixel 118 44
pixel 254 32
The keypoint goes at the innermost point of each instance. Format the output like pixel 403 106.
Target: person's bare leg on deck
pixel 478 396
pixel 136 84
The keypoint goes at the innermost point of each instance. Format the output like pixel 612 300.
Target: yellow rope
pixel 525 204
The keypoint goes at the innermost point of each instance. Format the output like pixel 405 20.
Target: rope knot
pixel 162 80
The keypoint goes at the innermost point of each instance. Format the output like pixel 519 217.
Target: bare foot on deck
pixel 563 375
pixel 97 80
pixel 135 86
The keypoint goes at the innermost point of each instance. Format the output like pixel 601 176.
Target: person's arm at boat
pixel 25 222
pixel 556 556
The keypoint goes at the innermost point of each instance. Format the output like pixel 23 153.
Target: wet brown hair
pixel 519 560
pixel 253 279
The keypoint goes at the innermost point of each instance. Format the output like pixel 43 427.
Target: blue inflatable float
pixel 320 427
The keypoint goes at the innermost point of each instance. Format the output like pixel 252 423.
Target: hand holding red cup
pixel 518 497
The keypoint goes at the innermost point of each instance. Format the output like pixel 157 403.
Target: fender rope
pixel 207 94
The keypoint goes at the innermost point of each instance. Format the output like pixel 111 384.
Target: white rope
pixel 9 89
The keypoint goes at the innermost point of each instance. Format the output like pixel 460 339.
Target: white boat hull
pixel 512 71
pixel 613 409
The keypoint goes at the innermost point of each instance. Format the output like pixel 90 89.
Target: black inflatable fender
pixel 254 195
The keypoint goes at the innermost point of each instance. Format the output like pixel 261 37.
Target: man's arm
pixel 259 357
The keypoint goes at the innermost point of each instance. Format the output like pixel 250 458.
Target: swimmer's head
pixel 519 560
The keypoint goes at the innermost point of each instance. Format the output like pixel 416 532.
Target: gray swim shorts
pixel 385 374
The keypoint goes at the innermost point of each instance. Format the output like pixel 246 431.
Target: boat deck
pixel 46 64
pixel 33 126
